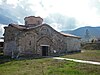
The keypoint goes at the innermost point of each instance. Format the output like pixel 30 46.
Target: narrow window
pixel 30 43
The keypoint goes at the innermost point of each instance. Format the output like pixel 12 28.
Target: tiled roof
pixel 70 35
pixel 23 27
pixel 32 16
pixel 17 26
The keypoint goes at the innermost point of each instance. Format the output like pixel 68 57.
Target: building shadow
pixel 5 59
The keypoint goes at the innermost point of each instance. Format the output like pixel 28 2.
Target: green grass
pixel 47 66
pixel 91 55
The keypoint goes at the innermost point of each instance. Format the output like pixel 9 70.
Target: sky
pixel 60 14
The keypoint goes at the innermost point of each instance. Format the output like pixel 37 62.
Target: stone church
pixel 37 39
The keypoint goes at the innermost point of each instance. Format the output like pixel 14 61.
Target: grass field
pixel 47 66
pixel 91 55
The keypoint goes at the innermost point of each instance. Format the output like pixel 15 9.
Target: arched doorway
pixel 44 46
pixel 44 49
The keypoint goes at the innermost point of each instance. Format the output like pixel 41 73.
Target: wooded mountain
pixel 93 31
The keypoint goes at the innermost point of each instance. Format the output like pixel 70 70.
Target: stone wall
pixel 10 44
pixel 29 42
pixel 73 44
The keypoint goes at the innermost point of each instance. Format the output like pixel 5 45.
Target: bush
pixel 91 46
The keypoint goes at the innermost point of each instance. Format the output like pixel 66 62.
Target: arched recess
pixel 44 41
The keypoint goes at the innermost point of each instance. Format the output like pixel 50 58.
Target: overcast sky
pixel 61 14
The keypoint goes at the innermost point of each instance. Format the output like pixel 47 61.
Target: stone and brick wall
pixel 18 42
